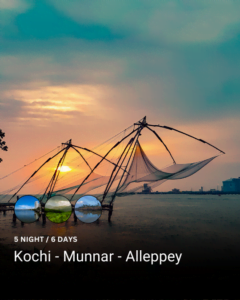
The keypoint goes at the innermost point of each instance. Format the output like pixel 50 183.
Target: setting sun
pixel 64 169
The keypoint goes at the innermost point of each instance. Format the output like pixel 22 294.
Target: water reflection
pixel 88 216
pixel 88 209
pixel 26 216
pixel 199 227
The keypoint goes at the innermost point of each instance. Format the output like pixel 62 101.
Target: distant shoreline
pixel 32 209
pixel 89 208
pixel 192 193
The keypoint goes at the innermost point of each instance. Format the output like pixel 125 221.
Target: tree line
pixel 2 143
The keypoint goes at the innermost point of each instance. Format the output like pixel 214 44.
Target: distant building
pixel 175 191
pixel 231 185
pixel 201 189
pixel 37 205
pixel 146 189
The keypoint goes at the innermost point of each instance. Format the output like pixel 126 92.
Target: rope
pixel 28 164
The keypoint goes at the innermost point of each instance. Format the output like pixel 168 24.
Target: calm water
pixel 26 215
pixel 87 216
pixel 206 229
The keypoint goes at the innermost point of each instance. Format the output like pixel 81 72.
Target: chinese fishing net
pixel 112 169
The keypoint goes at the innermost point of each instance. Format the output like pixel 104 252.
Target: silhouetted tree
pixel 2 143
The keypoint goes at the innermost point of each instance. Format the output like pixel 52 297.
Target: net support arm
pixel 200 140
pixel 82 157
pixel 34 173
pixel 129 159
pixel 110 182
pixel 162 143
pixel 56 174
pixel 103 158
pixel 125 151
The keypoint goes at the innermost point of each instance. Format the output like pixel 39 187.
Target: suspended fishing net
pixel 143 171
pixel 13 181
pixel 114 168
pixel 36 178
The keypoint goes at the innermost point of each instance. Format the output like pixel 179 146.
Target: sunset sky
pixel 86 70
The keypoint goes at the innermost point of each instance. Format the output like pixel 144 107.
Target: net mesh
pixel 125 170
pixel 67 179
pixel 143 171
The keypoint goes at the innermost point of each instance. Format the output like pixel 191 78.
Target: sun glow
pixel 64 169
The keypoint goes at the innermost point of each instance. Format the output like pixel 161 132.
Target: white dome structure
pixel 36 204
